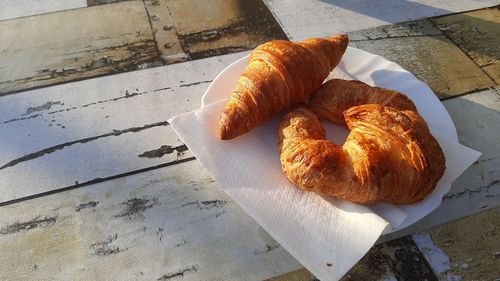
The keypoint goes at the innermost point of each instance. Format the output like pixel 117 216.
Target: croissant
pixel 337 95
pixel 279 75
pixel 389 155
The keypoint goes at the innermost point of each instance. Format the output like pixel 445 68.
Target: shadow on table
pixel 465 31
pixel 385 9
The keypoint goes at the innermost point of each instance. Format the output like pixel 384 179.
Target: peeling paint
pixel 43 107
pixel 90 204
pixel 104 248
pixel 135 207
pixel 28 225
pixel 49 150
pixel 163 150
pixel 269 247
pixel 471 192
pixel 180 272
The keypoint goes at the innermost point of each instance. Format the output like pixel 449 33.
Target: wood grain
pixel 101 46
pixel 11 9
pixel 112 125
pixel 169 222
pixel 165 32
pixel 303 19
pixel 213 27
pixel 472 245
pixel 433 59
pixel 477 33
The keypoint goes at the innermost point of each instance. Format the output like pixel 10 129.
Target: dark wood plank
pixel 477 33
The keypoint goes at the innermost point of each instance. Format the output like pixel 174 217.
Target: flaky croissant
pixel 279 75
pixel 337 95
pixel 389 155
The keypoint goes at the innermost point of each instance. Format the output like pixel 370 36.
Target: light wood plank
pixel 303 19
pixel 100 46
pixel 150 226
pixel 109 124
pixel 11 9
pixel 477 33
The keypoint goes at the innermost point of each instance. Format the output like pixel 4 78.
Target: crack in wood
pixel 195 83
pixel 218 51
pixel 20 119
pixel 180 272
pixel 163 150
pixel 49 150
pixel 28 225
pixel 126 96
pixel 471 192
pixel 98 180
pixel 269 247
pixel 42 107
pixel 90 204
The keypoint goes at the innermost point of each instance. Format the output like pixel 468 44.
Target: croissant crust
pixel 389 155
pixel 279 75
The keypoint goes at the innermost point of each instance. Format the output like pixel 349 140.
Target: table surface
pixel 96 185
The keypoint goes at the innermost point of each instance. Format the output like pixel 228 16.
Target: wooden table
pixel 96 185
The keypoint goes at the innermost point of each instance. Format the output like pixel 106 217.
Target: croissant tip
pixel 343 39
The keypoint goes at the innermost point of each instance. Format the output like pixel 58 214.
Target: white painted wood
pixel 11 9
pixel 149 226
pixel 96 108
pixel 320 18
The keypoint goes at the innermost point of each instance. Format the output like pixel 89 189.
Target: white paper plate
pixel 377 71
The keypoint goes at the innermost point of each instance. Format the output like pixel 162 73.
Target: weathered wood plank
pixel 468 111
pixel 11 9
pixel 151 226
pixel 477 33
pixel 103 2
pixel 210 28
pixel 165 32
pixel 112 125
pixel 404 29
pixel 303 19
pixel 101 46
pixel 472 245
pixel 432 58
pixel 464 249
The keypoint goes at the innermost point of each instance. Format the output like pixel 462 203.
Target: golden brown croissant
pixel 389 155
pixel 337 95
pixel 279 75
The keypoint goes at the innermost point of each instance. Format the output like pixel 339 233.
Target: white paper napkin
pixel 326 235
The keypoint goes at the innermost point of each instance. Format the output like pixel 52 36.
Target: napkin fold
pixel 326 235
